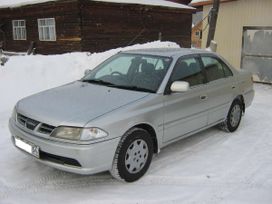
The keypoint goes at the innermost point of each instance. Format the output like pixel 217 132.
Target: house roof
pixel 163 3
pixel 197 26
pixel 198 3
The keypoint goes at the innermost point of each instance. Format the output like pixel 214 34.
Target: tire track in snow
pixel 58 181
pixel 188 147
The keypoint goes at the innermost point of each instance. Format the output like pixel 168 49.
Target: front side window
pixel 131 71
pixel 215 69
pixel 19 29
pixel 47 29
pixel 188 70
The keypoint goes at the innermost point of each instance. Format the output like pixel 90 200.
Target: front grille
pixel 46 129
pixel 33 124
pixel 27 122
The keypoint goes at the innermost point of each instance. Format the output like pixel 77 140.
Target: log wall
pixel 67 18
pixel 109 25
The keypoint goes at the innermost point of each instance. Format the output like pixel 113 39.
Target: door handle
pixel 204 97
pixel 233 87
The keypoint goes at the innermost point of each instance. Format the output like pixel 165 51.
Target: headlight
pixel 69 133
pixel 14 114
pixel 74 133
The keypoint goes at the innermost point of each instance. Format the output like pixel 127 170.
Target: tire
pixel 133 155
pixel 234 117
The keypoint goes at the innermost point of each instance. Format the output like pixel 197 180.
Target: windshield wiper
pixel 136 88
pixel 106 83
pixel 98 81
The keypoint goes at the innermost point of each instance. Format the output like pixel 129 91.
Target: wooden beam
pixel 213 19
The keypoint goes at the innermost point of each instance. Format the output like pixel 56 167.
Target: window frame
pixel 41 30
pixel 17 28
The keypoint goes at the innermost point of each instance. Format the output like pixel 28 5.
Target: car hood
pixel 76 103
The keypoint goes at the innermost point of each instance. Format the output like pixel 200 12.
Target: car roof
pixel 167 52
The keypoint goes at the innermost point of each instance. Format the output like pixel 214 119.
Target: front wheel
pixel 234 117
pixel 133 155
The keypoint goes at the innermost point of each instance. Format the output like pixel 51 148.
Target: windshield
pixel 131 71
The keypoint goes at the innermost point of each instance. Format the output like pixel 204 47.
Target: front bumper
pixel 92 158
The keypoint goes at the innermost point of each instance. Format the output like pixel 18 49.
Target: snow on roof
pixel 18 3
pixel 197 1
pixel 164 3
pixel 150 2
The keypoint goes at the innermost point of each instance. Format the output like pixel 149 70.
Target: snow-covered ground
pixel 209 167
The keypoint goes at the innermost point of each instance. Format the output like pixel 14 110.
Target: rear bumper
pixel 92 158
pixel 248 97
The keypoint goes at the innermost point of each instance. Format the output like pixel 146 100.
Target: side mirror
pixel 87 71
pixel 180 86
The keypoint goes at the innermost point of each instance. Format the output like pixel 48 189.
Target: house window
pixel 47 29
pixel 19 29
pixel 198 34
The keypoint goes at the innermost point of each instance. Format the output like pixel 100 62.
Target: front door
pixel 185 112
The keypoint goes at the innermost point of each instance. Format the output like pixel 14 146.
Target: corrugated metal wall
pixel 232 17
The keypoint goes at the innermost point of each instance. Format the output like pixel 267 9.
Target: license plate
pixel 27 147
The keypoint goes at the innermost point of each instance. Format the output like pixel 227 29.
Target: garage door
pixel 257 52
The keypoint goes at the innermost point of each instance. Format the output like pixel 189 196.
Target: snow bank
pixel 24 75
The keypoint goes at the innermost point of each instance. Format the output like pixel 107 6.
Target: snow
pixel 209 167
pixel 151 2
pixel 197 1
pixel 18 3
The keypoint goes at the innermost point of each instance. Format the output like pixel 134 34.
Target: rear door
pixel 185 112
pixel 220 87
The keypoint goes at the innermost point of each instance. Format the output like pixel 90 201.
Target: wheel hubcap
pixel 235 115
pixel 136 156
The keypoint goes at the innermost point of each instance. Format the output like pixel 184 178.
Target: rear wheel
pixel 234 117
pixel 133 155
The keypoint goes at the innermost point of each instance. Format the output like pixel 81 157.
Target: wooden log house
pixel 60 26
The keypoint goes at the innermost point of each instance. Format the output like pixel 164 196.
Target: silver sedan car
pixel 129 107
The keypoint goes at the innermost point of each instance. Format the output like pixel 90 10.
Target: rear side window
pixel 188 70
pixel 227 70
pixel 215 69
